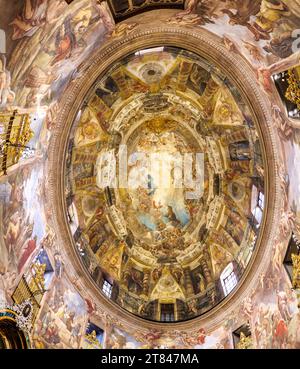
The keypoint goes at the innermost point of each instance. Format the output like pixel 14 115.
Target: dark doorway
pixel 11 337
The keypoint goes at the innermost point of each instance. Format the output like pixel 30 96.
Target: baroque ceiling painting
pixel 153 236
pixel 149 191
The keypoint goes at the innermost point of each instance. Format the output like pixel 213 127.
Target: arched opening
pixel 11 337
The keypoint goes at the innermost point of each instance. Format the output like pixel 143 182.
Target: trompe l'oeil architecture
pixel 149 177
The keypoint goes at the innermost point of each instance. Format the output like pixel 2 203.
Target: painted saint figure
pixel 33 16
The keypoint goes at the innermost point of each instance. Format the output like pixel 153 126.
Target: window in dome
pixel 228 279
pixel 107 288
pixel 167 313
pixel 258 208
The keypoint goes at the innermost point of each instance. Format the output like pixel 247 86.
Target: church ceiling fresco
pixel 264 28
pixel 49 44
pixel 158 242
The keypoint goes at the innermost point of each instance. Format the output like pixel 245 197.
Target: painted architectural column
pixel 146 282
pixel 206 271
pixel 205 100
pixel 188 282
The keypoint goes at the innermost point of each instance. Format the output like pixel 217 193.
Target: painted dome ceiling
pixel 163 176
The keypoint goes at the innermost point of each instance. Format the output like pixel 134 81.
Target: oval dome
pixel 164 184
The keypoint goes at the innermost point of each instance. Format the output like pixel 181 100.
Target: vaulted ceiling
pixel 149 234
pixel 196 78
